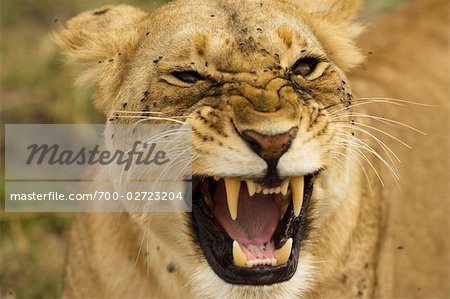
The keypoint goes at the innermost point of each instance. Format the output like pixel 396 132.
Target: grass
pixel 35 88
pixel 32 253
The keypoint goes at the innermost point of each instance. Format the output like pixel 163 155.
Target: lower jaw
pixel 217 245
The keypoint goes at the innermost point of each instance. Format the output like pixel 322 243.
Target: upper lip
pixel 217 244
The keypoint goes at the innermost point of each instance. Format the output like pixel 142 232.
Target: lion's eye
pixel 187 76
pixel 305 66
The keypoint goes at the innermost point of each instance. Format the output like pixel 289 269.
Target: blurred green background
pixel 36 88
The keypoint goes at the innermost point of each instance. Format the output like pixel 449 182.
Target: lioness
pixel 287 200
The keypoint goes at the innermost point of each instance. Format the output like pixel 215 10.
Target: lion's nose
pixel 269 147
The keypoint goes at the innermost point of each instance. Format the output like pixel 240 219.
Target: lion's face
pixel 261 83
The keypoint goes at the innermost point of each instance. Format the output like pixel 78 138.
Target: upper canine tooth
pixel 297 185
pixel 282 254
pixel 284 187
pixel 251 187
pixel 239 257
pixel 232 187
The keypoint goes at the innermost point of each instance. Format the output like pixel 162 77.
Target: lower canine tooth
pixel 297 185
pixel 282 254
pixel 239 257
pixel 232 187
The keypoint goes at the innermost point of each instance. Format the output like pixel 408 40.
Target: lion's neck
pixel 347 239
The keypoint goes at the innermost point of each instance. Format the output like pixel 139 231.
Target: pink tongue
pixel 257 216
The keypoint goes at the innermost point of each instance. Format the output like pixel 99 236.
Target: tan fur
pixel 247 46
pixel 415 254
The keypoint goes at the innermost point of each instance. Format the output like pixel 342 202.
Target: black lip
pixel 217 245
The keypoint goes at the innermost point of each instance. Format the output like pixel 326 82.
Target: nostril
pixel 251 142
pixel 269 147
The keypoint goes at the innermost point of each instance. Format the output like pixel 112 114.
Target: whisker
pixel 383 132
pixel 392 167
pixel 171 164
pixel 398 100
pixel 136 112
pixel 351 121
pixel 387 99
pixel 175 132
pixel 360 164
pixel 365 103
pixel 379 118
pixel 353 101
pixel 147 112
pixel 362 145
pixel 356 150
pixel 145 118
pixel 140 245
pixel 379 141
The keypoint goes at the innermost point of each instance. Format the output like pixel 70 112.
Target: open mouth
pixel 251 234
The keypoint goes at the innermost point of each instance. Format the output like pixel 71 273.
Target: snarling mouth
pixel 251 234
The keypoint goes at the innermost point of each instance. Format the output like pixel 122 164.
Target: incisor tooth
pixel 282 254
pixel 251 187
pixel 297 185
pixel 232 187
pixel 239 257
pixel 258 188
pixel 265 191
pixel 284 187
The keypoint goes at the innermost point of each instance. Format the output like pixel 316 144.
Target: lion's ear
pixel 335 26
pixel 332 10
pixel 97 42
